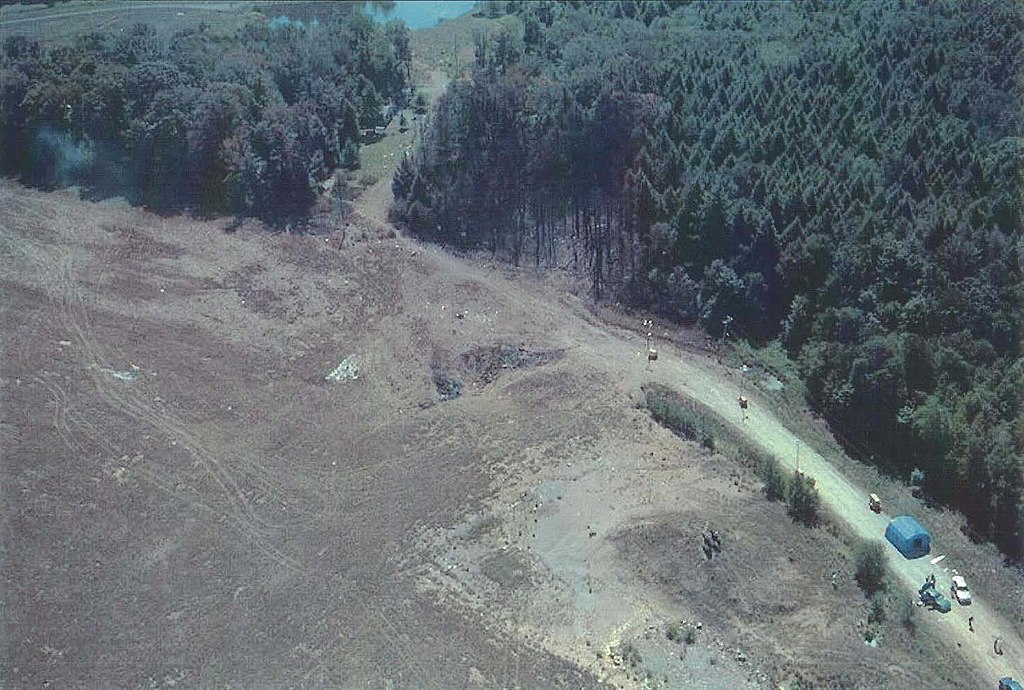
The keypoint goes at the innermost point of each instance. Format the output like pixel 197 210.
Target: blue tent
pixel 908 536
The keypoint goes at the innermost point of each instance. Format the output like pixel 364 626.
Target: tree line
pixel 246 122
pixel 844 179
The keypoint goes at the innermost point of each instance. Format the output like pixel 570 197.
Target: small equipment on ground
pixel 874 503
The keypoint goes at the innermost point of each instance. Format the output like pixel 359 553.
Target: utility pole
pixel 726 322
pixel 652 354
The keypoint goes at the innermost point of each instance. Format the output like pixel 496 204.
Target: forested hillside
pixel 246 122
pixel 846 179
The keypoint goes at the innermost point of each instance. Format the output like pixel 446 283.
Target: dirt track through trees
pixel 716 390
pixel 621 353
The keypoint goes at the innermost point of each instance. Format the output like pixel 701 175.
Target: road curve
pixel 848 502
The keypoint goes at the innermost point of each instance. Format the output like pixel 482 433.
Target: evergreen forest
pixel 843 179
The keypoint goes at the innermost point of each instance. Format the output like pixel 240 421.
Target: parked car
pixel 959 590
pixel 932 598
pixel 1009 684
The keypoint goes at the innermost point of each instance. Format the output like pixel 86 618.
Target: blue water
pixel 423 14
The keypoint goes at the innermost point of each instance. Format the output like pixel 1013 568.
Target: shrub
pixel 680 419
pixel 681 632
pixel 877 613
pixel 775 484
pixel 803 498
pixel 869 567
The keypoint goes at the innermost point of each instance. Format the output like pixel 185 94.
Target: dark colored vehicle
pixel 1009 684
pixel 933 598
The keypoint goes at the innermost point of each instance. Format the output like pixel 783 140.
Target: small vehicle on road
pixel 1009 684
pixel 933 599
pixel 874 503
pixel 959 591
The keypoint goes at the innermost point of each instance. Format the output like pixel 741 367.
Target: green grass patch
pixel 679 417
pixel 776 485
pixel 381 158
pixel 695 423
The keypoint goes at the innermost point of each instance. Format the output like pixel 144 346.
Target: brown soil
pixel 187 501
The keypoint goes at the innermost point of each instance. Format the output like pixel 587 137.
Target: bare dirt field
pixel 188 502
pixel 348 459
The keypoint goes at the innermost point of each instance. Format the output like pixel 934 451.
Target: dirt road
pixel 846 501
pixel 620 354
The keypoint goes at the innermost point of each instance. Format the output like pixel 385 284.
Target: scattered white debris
pixel 126 375
pixel 348 370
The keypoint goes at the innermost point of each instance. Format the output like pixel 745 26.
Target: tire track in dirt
pixel 244 466
pixel 60 419
pixel 70 304
pixel 72 427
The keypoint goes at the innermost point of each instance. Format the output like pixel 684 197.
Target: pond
pixel 422 14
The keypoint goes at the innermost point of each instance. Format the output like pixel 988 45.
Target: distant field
pixel 67 20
